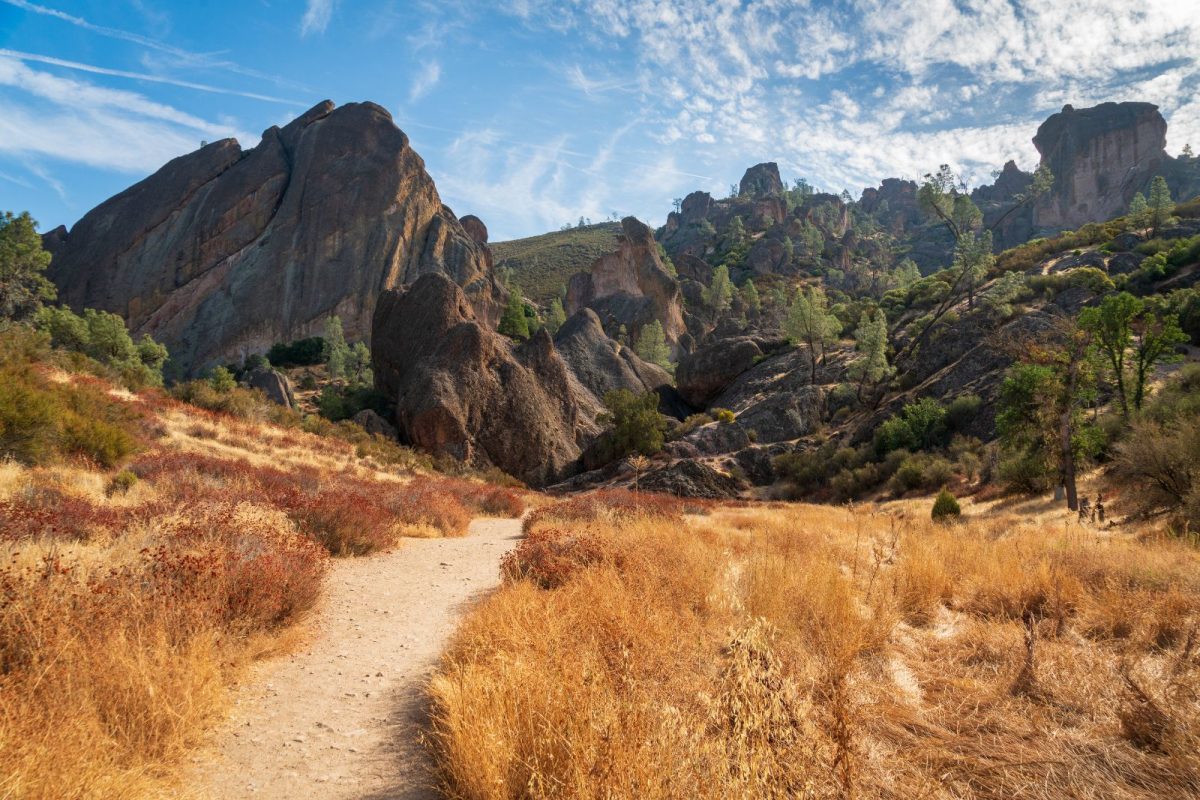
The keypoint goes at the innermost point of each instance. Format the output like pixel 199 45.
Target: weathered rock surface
pixel 225 251
pixel 692 478
pixel 274 384
pixel 761 180
pixel 703 374
pixel 372 423
pixel 600 364
pixel 775 398
pixel 1100 157
pixel 463 390
pixel 630 287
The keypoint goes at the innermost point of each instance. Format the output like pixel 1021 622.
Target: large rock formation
pixel 602 365
pixel 630 287
pixel 1100 158
pixel 463 390
pixel 223 252
pixel 761 180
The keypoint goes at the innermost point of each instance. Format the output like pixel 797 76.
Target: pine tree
pixel 555 317
pixel 750 298
pixel 719 294
pixel 870 336
pixel 337 352
pixel 1139 212
pixel 513 322
pixel 23 262
pixel 907 273
pixel 809 321
pixel 652 346
pixel 1160 202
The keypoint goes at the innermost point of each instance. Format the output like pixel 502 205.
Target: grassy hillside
pixel 149 548
pixel 542 265
pixel 817 652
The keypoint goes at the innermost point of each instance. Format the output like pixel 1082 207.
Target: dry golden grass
pixel 127 608
pixel 805 651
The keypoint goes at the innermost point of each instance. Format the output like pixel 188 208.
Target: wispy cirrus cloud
pixel 427 78
pixel 317 14
pixel 49 116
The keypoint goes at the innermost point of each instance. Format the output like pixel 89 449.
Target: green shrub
pixel 237 401
pixel 1026 474
pixel 96 440
pixel 694 421
pixel 121 483
pixel 104 338
pixel 723 415
pixel 300 353
pixel 922 471
pixel 962 410
pixel 635 424
pixel 945 507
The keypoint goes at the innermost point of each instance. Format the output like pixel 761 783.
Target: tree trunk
pixel 1068 460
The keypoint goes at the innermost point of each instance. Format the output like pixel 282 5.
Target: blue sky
pixel 532 113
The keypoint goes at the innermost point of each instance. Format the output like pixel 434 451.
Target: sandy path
pixel 339 717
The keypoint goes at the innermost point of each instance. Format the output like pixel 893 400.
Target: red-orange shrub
pixel 550 557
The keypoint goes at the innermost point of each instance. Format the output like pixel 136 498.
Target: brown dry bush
pixel 819 652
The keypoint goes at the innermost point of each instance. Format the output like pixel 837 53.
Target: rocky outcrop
pixel 601 365
pixel 370 421
pixel 775 398
pixel 225 251
pixel 761 180
pixel 1100 158
pixel 463 390
pixel 692 478
pixel 273 384
pixel 705 373
pixel 630 287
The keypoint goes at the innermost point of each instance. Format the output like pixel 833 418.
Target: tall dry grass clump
pixel 820 652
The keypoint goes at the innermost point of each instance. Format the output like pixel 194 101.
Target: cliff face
pixel 630 287
pixel 1100 158
pixel 223 252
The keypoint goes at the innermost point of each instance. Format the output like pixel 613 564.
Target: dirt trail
pixel 339 717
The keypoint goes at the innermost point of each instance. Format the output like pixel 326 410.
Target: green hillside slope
pixel 542 265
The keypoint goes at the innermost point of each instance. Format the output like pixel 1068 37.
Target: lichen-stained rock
pixel 630 287
pixel 225 251
pixel 1100 157
pixel 274 384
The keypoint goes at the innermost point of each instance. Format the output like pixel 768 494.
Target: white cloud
pixel 427 78
pixel 316 16
pixel 51 116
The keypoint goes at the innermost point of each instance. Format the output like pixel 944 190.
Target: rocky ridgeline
pixel 225 251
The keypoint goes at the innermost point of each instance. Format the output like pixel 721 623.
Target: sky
pixel 533 113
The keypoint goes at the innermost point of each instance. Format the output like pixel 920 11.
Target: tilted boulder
pixel 225 251
pixel 274 384
pixel 1100 158
pixel 463 390
pixel 630 287
pixel 600 364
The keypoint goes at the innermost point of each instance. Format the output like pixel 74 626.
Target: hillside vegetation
pixel 150 548
pixel 810 652
pixel 542 265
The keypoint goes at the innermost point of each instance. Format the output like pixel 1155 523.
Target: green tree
pixel 906 273
pixel 555 317
pixel 652 346
pixel 942 195
pixel 221 380
pixel 667 263
pixel 719 294
pixel 23 284
pixel 337 352
pixel 513 322
pixel 1004 291
pixel 1111 327
pixel 1155 335
pixel 1139 212
pixel 103 337
pixel 811 240
pixel 635 424
pixel 1160 203
pixel 870 336
pixel 358 366
pixel 750 297
pixel 1040 411
pixel 810 322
